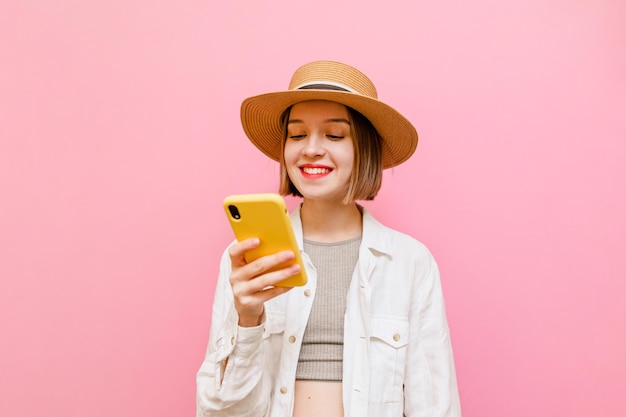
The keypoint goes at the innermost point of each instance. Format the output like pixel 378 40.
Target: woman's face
pixel 319 150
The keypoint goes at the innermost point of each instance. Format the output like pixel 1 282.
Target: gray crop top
pixel 321 354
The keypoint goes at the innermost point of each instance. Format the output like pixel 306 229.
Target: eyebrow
pixel 337 120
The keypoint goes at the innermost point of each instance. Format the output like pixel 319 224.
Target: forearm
pixel 230 381
pixel 430 386
pixel 234 385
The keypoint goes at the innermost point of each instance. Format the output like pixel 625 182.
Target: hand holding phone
pixel 264 216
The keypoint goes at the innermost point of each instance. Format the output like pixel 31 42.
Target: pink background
pixel 120 136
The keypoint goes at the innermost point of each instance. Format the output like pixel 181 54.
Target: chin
pixel 331 198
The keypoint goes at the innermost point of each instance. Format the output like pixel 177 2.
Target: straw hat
pixel 332 81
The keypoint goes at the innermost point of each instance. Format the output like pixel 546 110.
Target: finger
pixel 264 264
pixel 270 279
pixel 238 250
pixel 250 305
pixel 273 292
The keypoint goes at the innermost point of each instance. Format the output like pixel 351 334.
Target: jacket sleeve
pixel 231 381
pixel 430 385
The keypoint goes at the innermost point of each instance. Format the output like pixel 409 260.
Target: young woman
pixel 367 335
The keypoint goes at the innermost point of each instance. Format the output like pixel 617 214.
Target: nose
pixel 314 146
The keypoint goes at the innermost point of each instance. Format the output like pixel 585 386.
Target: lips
pixel 315 171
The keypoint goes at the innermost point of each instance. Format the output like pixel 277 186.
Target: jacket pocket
pixel 388 346
pixel 275 322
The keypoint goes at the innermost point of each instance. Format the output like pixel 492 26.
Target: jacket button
pixel 307 293
pixel 292 339
pixel 232 340
pixel 396 337
pixel 283 390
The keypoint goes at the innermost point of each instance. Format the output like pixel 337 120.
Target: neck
pixel 330 222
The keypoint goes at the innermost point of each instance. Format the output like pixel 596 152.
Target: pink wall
pixel 119 137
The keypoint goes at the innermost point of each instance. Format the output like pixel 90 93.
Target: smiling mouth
pixel 315 171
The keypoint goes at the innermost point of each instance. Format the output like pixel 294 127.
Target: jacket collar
pixel 376 237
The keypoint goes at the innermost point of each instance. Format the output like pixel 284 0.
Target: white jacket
pixel 397 354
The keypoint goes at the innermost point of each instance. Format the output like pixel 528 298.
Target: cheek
pixel 291 154
pixel 288 151
pixel 347 155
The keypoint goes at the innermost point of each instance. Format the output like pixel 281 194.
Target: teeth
pixel 315 171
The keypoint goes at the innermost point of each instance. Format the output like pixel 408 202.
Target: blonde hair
pixel 367 171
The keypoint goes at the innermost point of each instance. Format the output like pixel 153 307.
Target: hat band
pixel 316 85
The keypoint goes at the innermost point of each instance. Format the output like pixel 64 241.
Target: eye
pixel 296 137
pixel 335 137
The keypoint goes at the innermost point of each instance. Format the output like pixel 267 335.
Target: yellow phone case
pixel 265 216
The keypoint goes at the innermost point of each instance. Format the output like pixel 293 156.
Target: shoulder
pixel 384 238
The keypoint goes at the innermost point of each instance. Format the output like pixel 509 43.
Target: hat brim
pixel 260 118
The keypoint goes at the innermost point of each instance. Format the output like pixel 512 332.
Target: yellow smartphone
pixel 265 217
